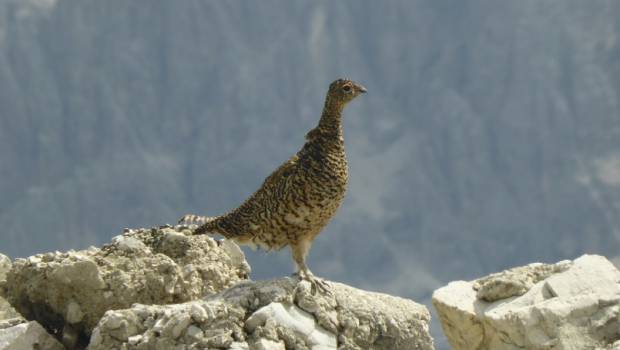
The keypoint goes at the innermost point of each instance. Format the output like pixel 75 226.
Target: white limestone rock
pixel 27 336
pixel 277 314
pixel 239 346
pixel 564 306
pixel 516 281
pixel 289 316
pixel 71 291
pixel 266 344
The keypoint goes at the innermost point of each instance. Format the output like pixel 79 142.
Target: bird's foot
pixel 320 284
pixel 316 283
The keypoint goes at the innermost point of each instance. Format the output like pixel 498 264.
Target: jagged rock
pixel 5 266
pixel 516 281
pixel 6 310
pixel 565 306
pixel 26 336
pixel 71 291
pixel 614 346
pixel 277 314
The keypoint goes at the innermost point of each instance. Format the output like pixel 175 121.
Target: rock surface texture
pixel 69 292
pixel 6 310
pixel 23 335
pixel 564 306
pixel 277 314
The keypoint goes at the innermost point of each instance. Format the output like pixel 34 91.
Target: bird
pixel 297 200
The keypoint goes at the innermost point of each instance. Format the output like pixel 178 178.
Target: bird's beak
pixel 361 89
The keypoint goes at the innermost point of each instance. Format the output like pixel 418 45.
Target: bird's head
pixel 343 91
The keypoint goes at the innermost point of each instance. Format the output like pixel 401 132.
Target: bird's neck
pixel 331 118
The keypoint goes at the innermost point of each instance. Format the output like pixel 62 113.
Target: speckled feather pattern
pixel 299 198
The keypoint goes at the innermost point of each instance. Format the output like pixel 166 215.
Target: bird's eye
pixel 347 88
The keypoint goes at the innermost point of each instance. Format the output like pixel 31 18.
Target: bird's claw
pixel 316 283
pixel 320 284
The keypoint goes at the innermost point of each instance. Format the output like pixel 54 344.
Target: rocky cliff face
pixel 161 289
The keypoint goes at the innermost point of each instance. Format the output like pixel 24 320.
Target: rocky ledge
pixel 68 293
pixel 162 288
pixel 277 314
pixel 570 305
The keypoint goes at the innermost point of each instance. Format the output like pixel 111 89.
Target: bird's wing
pixel 274 186
pixel 284 171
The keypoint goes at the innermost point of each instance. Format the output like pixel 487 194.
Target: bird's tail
pixel 191 219
pixel 206 224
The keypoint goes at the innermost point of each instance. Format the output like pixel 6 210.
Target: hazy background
pixel 490 136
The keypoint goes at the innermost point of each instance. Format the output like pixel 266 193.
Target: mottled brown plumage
pixel 299 198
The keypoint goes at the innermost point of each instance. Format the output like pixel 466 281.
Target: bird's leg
pixel 300 251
